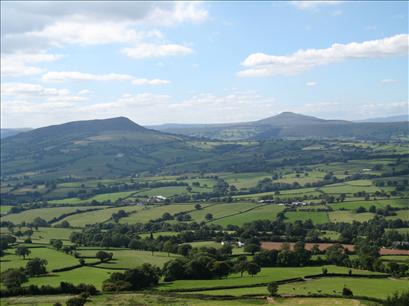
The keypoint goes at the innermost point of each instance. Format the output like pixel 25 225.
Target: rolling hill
pixel 95 148
pixel 291 125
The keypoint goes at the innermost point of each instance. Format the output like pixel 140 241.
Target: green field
pixel 400 203
pixel 129 299
pixel 261 212
pixel 377 288
pixel 124 258
pixel 5 208
pixel 150 212
pixel 44 213
pixel 349 216
pixel 317 217
pixel 56 259
pixel 266 275
pixel 400 214
pixel 100 198
pixel 99 216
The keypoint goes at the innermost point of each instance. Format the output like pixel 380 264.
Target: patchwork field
pixel 45 213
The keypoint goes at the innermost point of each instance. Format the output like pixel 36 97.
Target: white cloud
pixel 389 81
pixel 63 76
pixel 20 64
pixel 37 91
pixel 307 5
pixel 260 64
pixel 150 82
pixel 145 50
pixel 311 83
pixel 85 92
pixel 60 76
pixel 40 25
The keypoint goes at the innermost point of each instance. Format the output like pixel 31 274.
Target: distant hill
pixel 398 118
pixel 290 125
pixel 11 132
pixel 94 148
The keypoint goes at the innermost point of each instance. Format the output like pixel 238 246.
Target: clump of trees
pixel 138 278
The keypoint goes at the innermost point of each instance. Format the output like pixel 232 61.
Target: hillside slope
pixel 290 125
pixel 94 148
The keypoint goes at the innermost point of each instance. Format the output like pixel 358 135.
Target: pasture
pixel 317 217
pixel 126 259
pixel 376 288
pixel 114 196
pixel 349 216
pixel 266 275
pixel 98 216
pixel 260 212
pixel 45 213
pixel 56 259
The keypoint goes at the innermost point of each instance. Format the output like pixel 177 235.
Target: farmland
pixel 166 217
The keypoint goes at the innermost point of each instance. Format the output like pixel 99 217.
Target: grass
pixel 100 198
pixel 400 203
pixel 266 275
pixel 377 288
pixel 55 259
pixel 317 217
pixel 131 299
pixel 400 214
pixel 5 208
pixel 44 234
pixel 99 216
pixel 349 216
pixel 350 187
pixel 44 213
pixel 124 258
pixel 87 275
pixel 400 258
pixel 151 212
pixel 259 213
pixel 221 210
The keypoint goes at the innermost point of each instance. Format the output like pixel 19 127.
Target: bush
pixel 272 288
pixel 398 299
pixel 347 292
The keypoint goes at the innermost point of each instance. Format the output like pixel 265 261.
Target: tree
pixel 184 249
pixel 252 248
pixel 272 288
pixel 57 244
pixel 252 268
pixel 336 254
pixel 397 299
pixel 103 256
pixel 76 301
pixel 221 268
pixel 209 217
pixel 36 266
pixel 13 278
pixel 23 251
pixel 240 266
pixel 174 269
pixel 198 206
pixel 169 247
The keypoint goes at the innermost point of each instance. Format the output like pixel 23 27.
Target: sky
pixel 201 62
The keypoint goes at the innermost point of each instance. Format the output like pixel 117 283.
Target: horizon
pixel 172 62
pixel 196 123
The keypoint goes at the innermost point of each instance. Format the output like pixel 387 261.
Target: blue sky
pixel 202 62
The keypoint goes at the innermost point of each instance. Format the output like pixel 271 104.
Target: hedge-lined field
pixel 44 213
pixel 126 259
pixel 151 212
pixel 98 216
pixel 266 275
pixel 56 259
pixel 261 212
pixel 375 288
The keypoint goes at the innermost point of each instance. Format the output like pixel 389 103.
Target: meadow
pixel 266 275
pixel 377 288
